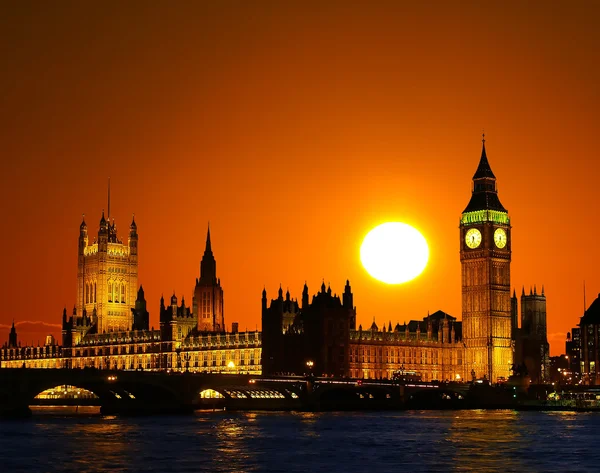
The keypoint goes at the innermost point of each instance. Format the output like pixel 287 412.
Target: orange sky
pixel 295 129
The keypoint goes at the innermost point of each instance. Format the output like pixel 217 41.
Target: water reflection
pixel 483 440
pixel 478 441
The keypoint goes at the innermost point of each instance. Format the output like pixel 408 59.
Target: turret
pixel 174 305
pixel 446 330
pixel 305 297
pixel 347 297
pixel 103 234
pixel 83 235
pixel 264 300
pixel 133 237
pixel 514 315
pixel 141 317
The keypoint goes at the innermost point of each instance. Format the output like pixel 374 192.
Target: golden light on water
pixel 394 253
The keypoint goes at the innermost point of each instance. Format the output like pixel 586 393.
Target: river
pixel 411 441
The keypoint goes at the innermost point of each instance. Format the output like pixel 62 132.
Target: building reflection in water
pixel 483 439
pixel 233 434
pixel 309 424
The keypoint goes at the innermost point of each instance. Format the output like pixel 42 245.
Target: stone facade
pixel 432 349
pixel 107 278
pixel 485 255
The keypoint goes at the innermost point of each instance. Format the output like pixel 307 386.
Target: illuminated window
pixel 210 394
pixel 87 293
pixel 122 293
pixel 110 291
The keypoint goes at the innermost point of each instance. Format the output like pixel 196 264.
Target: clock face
pixel 500 237
pixel 473 238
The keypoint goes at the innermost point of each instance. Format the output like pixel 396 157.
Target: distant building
pixel 573 350
pixel 589 325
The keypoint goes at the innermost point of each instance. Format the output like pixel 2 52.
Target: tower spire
pixel 484 193
pixel 484 170
pixel 208 245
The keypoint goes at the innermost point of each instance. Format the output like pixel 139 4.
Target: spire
pixel 208 265
pixel 485 195
pixel 208 245
pixel 483 170
pixel 543 290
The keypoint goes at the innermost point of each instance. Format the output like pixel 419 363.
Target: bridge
pixel 140 392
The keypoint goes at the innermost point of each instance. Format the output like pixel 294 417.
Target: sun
pixel 394 253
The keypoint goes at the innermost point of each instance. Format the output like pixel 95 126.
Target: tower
pixel 12 337
pixel 533 349
pixel 208 295
pixel 107 278
pixel 485 254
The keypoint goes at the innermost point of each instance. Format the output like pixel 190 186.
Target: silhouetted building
pixel 317 334
pixel 531 348
pixel 573 350
pixel 141 317
pixel 559 372
pixel 589 325
pixel 176 321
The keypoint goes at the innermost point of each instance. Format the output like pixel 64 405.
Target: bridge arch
pixel 66 392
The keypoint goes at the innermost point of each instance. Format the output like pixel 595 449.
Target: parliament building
pixel 109 326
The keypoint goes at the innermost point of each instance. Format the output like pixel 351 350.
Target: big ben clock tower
pixel 485 249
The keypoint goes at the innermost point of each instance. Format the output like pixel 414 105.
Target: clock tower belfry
pixel 485 252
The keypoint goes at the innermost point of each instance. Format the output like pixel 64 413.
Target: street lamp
pixel 310 365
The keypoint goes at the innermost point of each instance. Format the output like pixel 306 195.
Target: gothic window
pixel 87 293
pixel 94 293
pixel 110 291
pixel 123 293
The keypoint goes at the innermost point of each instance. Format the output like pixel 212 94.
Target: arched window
pixel 110 291
pixel 94 293
pixel 123 293
pixel 87 293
